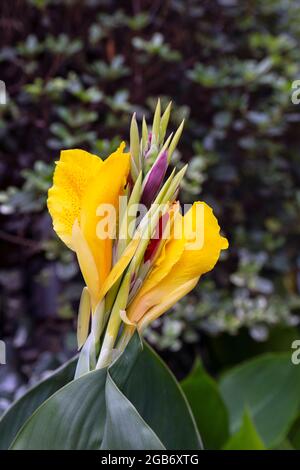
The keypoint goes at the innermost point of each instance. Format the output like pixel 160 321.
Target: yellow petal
pixel 105 188
pixel 161 288
pixel 171 253
pixel 86 262
pixel 125 319
pixel 166 303
pixel 198 259
pixel 119 267
pixel 72 176
pixel 82 183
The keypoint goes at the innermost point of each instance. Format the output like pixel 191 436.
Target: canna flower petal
pixel 82 183
pixel 86 262
pixel 72 176
pixel 105 189
pixel 175 275
pixel 166 303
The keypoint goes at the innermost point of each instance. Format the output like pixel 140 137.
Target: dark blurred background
pixel 75 71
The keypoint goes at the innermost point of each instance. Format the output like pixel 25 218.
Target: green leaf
pixel 157 396
pixel 246 438
pixel 75 415
pixel 125 429
pixel 22 409
pixel 294 434
pixel 72 418
pixel 269 386
pixel 134 404
pixel 208 407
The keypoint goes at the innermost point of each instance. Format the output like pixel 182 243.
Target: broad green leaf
pixel 246 438
pixel 294 434
pixel 125 429
pixel 22 409
pixel 75 416
pixel 135 403
pixel 122 367
pixel 208 407
pixel 78 406
pixel 155 393
pixel 72 418
pixel 269 386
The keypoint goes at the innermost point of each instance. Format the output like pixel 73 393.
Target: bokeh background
pixel 75 71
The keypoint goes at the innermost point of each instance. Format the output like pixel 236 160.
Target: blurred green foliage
pixel 76 70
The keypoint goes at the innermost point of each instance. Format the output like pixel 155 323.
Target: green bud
pixel 166 144
pixel 98 321
pixel 129 216
pixel 134 148
pixel 161 195
pixel 164 122
pixel 175 140
pixel 144 134
pixel 147 227
pixel 156 122
pixel 174 185
pixel 84 314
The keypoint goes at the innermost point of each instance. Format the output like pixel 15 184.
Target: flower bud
pixel 154 179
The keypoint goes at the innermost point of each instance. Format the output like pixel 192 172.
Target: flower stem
pixel 107 348
pixel 114 323
pixel 125 337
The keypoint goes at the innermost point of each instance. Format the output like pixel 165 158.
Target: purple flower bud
pixel 155 179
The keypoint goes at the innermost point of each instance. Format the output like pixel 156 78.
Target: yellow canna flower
pixel 152 268
pixel 180 266
pixel 81 183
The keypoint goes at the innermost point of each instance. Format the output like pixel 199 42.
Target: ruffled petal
pixel 103 195
pixel 72 176
pixel 202 244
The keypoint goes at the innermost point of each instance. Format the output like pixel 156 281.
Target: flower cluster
pixel 138 253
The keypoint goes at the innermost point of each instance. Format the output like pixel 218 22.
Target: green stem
pixel 114 323
pixel 107 347
pixel 125 338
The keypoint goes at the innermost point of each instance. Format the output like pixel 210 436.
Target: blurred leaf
pixel 157 396
pixel 208 407
pixel 75 417
pixel 12 421
pixel 246 438
pixel 262 385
